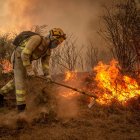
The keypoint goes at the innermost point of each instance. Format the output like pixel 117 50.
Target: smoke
pixel 67 104
pixel 80 17
pixel 68 101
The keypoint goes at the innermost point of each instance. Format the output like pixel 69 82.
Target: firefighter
pixel 32 48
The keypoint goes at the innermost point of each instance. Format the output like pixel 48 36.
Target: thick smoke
pixel 80 17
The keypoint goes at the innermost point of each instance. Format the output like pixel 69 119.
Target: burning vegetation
pixel 6 66
pixel 111 85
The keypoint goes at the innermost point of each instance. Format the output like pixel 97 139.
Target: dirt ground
pixel 50 116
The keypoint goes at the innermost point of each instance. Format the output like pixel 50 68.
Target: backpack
pixel 23 36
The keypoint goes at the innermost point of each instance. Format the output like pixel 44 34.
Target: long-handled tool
pixel 66 86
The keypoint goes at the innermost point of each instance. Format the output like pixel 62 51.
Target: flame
pixel 68 94
pixel 109 85
pixel 70 75
pixel 113 85
pixel 7 66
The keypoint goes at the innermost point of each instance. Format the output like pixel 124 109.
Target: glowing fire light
pixel 7 67
pixel 68 95
pixel 70 75
pixel 113 85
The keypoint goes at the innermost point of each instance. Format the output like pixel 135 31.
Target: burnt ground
pixel 50 116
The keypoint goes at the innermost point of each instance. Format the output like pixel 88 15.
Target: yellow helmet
pixel 57 34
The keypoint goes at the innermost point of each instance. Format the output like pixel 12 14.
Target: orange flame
pixel 7 67
pixel 113 85
pixel 68 94
pixel 70 75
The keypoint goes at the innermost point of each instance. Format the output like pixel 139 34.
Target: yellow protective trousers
pixel 19 79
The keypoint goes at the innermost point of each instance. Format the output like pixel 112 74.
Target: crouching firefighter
pixel 30 46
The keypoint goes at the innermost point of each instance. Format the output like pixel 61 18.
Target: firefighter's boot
pixel 1 100
pixel 21 108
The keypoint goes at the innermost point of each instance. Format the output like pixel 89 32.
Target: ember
pixel 70 75
pixel 7 67
pixel 69 94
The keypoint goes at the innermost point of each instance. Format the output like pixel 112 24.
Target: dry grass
pixel 42 121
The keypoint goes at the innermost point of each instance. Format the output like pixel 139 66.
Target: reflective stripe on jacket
pixel 34 48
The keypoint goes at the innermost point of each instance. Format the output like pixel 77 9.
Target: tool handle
pixel 66 86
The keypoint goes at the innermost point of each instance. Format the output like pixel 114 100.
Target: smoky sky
pixel 80 17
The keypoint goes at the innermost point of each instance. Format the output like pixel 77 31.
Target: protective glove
pixel 48 78
pixel 29 71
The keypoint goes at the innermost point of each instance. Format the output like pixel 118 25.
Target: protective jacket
pixel 33 48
